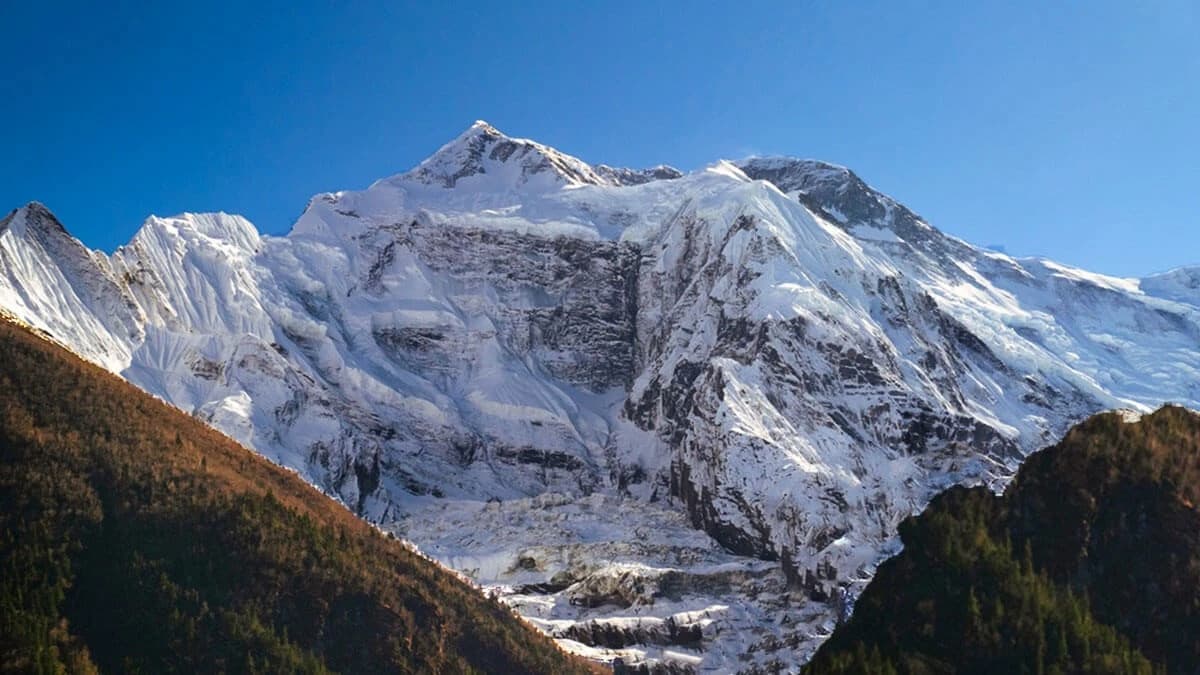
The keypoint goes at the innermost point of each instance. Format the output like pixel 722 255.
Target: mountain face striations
pixel 674 419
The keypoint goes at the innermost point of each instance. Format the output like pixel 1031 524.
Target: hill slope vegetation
pixel 136 539
pixel 1089 563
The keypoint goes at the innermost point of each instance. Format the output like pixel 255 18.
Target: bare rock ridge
pixel 620 397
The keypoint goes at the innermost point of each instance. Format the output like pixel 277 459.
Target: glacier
pixel 672 419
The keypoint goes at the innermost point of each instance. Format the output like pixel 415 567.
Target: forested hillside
pixel 1089 563
pixel 136 539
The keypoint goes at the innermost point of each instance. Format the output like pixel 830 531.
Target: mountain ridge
pixel 791 368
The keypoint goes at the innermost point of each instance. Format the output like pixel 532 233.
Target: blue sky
pixel 1061 129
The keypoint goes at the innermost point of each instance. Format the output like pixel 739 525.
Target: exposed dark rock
pixel 537 457
pixel 648 632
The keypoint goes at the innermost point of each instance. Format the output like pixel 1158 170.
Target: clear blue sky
pixel 1068 130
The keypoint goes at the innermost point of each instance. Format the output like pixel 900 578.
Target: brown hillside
pixel 134 538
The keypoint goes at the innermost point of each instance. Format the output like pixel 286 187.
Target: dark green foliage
pixel 1090 563
pixel 135 539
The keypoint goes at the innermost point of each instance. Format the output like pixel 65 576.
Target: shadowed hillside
pixel 1089 563
pixel 136 539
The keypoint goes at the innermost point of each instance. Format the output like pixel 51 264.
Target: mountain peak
pixel 488 157
pixel 33 218
pixel 38 208
pixel 483 126
pixel 221 227
pixel 806 176
pixel 478 129
pixel 837 193
pixel 485 155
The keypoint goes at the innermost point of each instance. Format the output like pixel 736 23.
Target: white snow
pixel 482 354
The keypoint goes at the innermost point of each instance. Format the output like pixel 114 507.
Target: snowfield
pixel 672 419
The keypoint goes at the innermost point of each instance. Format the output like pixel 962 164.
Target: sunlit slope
pixel 136 539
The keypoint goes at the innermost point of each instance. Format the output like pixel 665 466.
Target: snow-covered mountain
pixel 671 418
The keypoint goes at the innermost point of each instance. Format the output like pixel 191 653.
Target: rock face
pixel 539 369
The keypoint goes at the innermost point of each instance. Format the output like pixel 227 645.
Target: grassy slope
pixel 136 539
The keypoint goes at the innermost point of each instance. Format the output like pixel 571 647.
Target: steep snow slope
pixel 547 373
pixel 53 280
